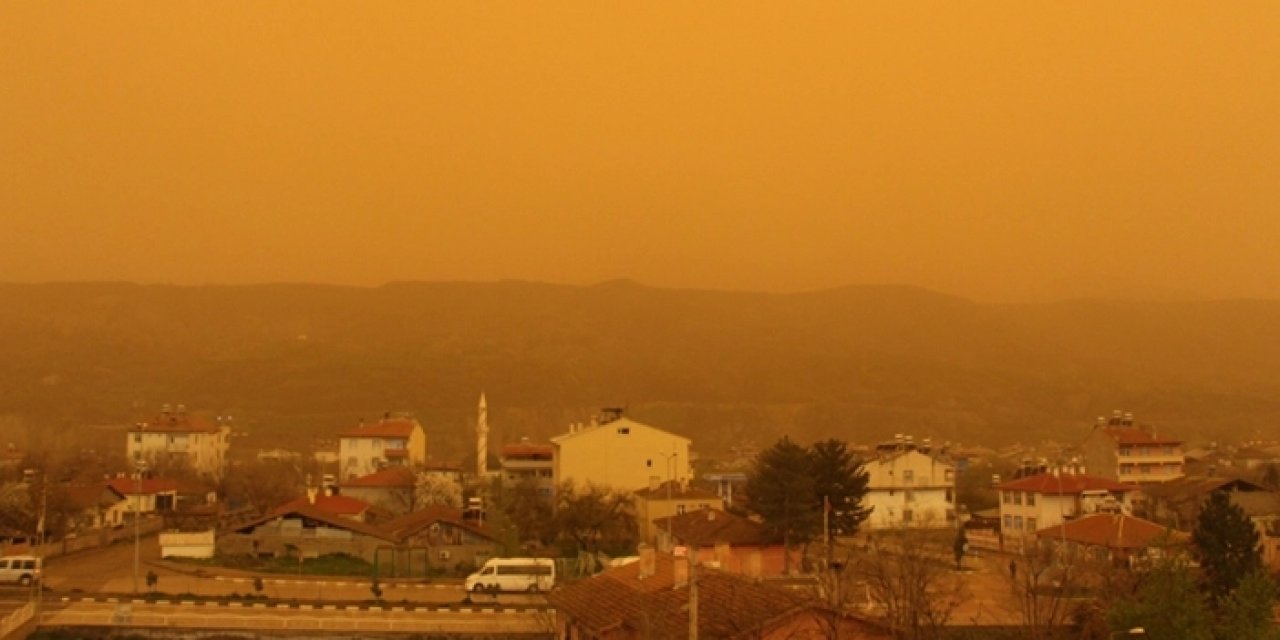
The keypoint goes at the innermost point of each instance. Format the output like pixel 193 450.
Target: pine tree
pixel 781 490
pixel 841 482
pixel 1225 543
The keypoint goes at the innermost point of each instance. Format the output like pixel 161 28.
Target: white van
pixel 20 569
pixel 514 574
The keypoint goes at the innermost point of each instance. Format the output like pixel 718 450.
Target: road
pixel 109 570
pixel 260 616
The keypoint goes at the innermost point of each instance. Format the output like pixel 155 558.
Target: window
pixel 1017 498
pixel 622 431
pixel 1031 524
pixel 909 495
pixel 907 515
pixel 1008 522
pixel 1031 499
pixel 1005 497
pixel 950 496
pixel 679 509
pixel 1126 451
pixel 1017 523
pixel 908 476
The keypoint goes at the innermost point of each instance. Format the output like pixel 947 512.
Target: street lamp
pixel 139 467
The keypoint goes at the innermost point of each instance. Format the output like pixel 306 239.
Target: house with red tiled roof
pixel 666 499
pixel 300 527
pixel 526 461
pixel 91 506
pixel 175 437
pixel 395 440
pixel 338 506
pixel 652 599
pixel 145 495
pixel 391 488
pixel 439 537
pixel 1034 502
pixel 1115 536
pixel 728 542
pixel 1122 450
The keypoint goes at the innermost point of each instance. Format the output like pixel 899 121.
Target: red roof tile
pixel 678 492
pixel 1064 484
pixel 335 505
pixel 730 606
pixel 177 423
pixel 1135 435
pixel 415 521
pixel 706 527
pixel 395 477
pixel 384 428
pixel 1114 531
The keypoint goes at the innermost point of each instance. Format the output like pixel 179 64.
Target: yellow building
pixel 672 498
pixel 620 453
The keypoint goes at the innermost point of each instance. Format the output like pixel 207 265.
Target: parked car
pixel 23 570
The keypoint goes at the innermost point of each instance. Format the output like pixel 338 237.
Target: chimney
pixel 711 515
pixel 648 561
pixel 311 495
pixel 680 572
pixel 755 565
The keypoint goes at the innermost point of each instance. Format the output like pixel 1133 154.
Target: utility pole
pixel 693 593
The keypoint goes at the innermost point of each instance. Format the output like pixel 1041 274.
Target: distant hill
pixel 293 362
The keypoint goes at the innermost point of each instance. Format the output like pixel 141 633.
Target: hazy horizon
pixel 1000 151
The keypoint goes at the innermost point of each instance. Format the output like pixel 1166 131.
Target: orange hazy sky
pixel 997 150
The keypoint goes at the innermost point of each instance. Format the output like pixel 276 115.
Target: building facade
pixel 1118 449
pixel 176 438
pixel 621 453
pixel 663 500
pixel 909 487
pixel 528 462
pixel 393 440
pixel 1043 500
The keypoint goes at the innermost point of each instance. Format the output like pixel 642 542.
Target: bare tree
pixel 1046 581
pixel 909 577
pixel 264 484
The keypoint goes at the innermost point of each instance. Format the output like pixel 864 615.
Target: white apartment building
pixel 909 487
pixel 175 437
pixel 1043 500
pixel 393 440
pixel 621 453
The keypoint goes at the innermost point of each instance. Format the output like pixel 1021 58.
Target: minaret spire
pixel 482 439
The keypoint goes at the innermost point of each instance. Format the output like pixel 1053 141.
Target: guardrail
pixel 259 619
pixel 16 619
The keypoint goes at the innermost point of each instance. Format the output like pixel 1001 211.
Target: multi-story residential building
pixel 525 461
pixel 671 498
pixel 909 486
pixel 1035 502
pixel 177 438
pixel 621 453
pixel 1116 448
pixel 393 440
